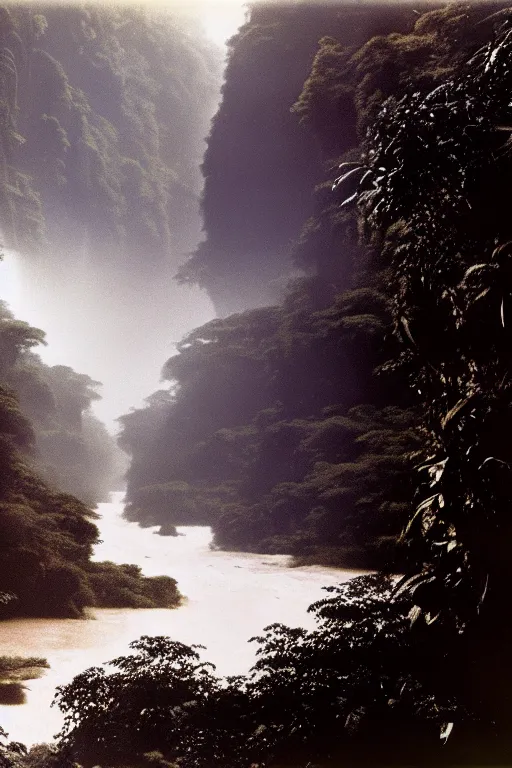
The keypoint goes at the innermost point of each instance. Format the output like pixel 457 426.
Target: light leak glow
pixel 220 20
pixel 10 281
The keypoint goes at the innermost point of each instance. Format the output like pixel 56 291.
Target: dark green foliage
pixel 16 755
pixel 261 165
pixel 74 451
pixel 104 112
pixel 450 275
pixel 449 251
pixel 46 542
pixel 48 756
pixel 71 448
pixel 143 706
pixel 260 437
pixel 16 337
pixel 353 689
pixel 42 532
pixel 11 753
pixel 46 536
pixel 123 586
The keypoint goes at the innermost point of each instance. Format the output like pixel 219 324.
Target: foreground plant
pixel 342 690
pixel 432 192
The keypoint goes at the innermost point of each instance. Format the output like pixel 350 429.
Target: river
pixel 230 598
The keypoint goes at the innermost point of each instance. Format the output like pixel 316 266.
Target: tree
pixel 142 706
pixel 355 688
pixel 435 168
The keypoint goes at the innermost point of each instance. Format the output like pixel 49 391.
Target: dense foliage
pixel 103 114
pixel 265 440
pixel 260 166
pixel 46 535
pixel 72 448
pixel 284 427
pixel 416 672
pixel 450 251
pixel 354 688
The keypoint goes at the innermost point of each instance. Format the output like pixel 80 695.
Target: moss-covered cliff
pixel 284 427
pixel 103 117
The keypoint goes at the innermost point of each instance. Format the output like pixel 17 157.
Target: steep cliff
pixel 286 428
pixel 261 165
pixel 103 117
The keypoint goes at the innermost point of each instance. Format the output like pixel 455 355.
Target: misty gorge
pixel 255 303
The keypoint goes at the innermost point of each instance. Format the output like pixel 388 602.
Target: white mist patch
pixel 10 281
pixel 116 326
pixel 221 19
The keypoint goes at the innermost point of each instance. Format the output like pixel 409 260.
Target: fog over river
pixel 230 598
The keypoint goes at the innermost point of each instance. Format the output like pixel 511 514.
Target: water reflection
pixel 12 694
pixel 14 670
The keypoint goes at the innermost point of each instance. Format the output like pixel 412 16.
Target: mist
pixel 111 325
pixel 104 294
pixel 118 202
pixel 285 225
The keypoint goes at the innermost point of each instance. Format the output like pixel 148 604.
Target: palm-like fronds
pixel 433 195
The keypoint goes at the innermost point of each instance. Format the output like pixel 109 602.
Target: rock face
pixel 168 530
